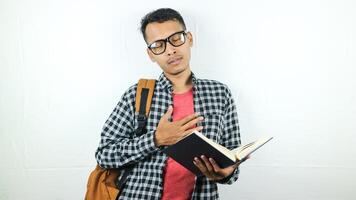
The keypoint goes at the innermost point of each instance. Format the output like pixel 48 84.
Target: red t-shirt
pixel 178 181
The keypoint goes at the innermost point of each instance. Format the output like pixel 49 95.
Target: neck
pixel 181 82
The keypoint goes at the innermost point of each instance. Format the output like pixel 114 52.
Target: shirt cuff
pixel 231 178
pixel 147 142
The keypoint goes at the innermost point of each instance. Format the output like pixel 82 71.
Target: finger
pixel 215 165
pixel 192 122
pixel 197 162
pixel 203 168
pixel 199 128
pixel 169 112
pixel 187 119
pixel 207 164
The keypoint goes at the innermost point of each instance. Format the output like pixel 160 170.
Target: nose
pixel 170 49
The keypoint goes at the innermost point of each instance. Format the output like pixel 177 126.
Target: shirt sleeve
pixel 231 133
pixel 118 145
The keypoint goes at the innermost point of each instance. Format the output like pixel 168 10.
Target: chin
pixel 178 71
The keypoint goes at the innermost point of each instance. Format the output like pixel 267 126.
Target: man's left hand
pixel 211 169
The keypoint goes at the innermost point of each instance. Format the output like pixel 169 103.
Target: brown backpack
pixel 103 184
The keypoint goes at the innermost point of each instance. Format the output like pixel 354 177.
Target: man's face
pixel 174 60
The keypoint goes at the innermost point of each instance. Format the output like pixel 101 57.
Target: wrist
pixel 156 139
pixel 227 178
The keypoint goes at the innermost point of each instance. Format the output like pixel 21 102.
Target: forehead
pixel 156 31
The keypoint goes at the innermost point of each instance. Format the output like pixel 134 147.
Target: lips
pixel 174 60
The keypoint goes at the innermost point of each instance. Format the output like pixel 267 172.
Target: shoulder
pixel 129 94
pixel 213 86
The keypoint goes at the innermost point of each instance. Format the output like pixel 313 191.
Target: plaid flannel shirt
pixel 119 146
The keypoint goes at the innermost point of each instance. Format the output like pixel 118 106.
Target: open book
pixel 196 144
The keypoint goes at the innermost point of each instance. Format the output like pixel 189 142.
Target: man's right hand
pixel 168 133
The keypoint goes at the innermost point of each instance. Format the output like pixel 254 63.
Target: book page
pixel 249 148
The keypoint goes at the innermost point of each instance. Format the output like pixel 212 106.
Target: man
pixel 181 103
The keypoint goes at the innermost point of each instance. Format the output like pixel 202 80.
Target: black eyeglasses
pixel 176 39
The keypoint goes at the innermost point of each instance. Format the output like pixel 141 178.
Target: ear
pixel 150 54
pixel 190 38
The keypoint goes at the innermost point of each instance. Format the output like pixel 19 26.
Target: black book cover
pixel 193 146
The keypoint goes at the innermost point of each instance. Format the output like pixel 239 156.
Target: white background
pixel 290 66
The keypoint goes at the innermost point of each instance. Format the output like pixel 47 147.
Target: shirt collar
pixel 165 83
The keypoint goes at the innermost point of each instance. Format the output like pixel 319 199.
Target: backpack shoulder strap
pixel 144 94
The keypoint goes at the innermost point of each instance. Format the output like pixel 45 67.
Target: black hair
pixel 160 15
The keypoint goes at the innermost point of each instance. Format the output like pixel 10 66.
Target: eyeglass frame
pixel 167 40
